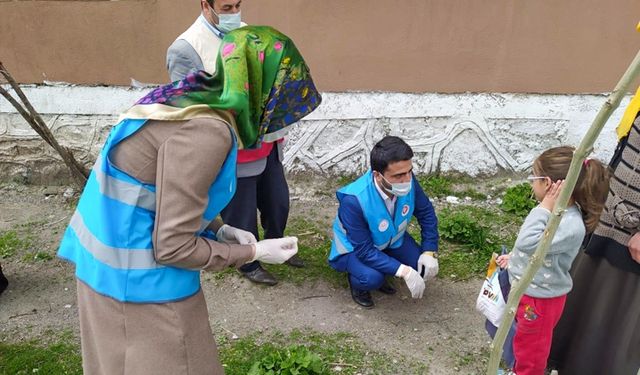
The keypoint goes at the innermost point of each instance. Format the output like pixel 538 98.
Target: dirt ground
pixel 442 330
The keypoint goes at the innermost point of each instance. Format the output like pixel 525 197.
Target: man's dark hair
pixel 389 150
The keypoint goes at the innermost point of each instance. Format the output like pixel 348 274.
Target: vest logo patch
pixel 405 210
pixel 383 226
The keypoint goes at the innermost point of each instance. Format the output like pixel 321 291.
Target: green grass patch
pixel 435 185
pixel 314 246
pixel 339 350
pixel 468 236
pixel 30 358
pixel 11 244
pixel 438 186
pixel 37 256
pixel 306 351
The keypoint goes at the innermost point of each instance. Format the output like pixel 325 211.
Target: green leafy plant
pixel 293 360
pixel 467 244
pixel 343 353
pixel 518 200
pixel 436 186
pixel 460 227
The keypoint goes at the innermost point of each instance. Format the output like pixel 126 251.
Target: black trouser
pixel 267 192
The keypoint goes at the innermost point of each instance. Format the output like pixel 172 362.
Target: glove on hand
pixel 229 234
pixel 412 278
pixel 427 264
pixel 276 250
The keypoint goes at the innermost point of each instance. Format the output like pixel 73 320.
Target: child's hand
pixel 503 260
pixel 552 194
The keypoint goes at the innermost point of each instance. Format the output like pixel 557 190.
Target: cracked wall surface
pixel 473 134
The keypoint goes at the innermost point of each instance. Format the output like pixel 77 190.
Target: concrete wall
pixel 455 78
pixel 468 133
pixel 448 46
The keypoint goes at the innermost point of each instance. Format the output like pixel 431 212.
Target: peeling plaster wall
pixel 473 134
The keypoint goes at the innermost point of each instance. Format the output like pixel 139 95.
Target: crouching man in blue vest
pixel 370 239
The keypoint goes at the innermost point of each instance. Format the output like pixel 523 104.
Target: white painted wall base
pixel 473 134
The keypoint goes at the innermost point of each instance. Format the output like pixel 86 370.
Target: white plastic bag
pixel 490 301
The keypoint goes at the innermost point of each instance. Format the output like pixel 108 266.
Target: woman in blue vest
pixel 370 239
pixel 145 225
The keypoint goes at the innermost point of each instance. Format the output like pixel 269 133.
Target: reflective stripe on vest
pixel 109 237
pixel 114 257
pixel 385 231
pixel 135 195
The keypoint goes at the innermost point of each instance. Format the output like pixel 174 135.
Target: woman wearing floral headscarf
pixel 145 224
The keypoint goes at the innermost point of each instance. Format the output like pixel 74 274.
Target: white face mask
pixel 228 21
pixel 399 189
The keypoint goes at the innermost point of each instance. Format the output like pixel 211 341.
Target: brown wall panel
pixel 548 46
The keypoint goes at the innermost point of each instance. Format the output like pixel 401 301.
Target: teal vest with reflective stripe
pixel 109 237
pixel 386 232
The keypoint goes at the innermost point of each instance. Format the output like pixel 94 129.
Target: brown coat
pixel 182 159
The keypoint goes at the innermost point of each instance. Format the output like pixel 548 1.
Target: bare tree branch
pixel 33 118
pixel 579 155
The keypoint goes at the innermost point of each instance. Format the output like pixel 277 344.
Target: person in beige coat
pixel 145 225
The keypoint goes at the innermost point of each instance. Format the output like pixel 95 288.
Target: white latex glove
pixel 229 234
pixel 276 250
pixel 412 278
pixel 428 264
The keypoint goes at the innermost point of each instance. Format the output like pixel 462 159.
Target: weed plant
pixel 11 244
pixel 294 359
pixel 519 200
pixel 339 353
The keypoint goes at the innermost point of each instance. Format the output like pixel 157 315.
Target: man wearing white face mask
pixel 261 181
pixel 197 48
pixel 370 240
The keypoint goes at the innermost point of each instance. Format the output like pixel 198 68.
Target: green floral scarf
pixel 261 79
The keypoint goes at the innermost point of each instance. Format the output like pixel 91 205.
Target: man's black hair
pixel 389 150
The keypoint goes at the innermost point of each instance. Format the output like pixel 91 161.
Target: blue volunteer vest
pixel 386 232
pixel 109 237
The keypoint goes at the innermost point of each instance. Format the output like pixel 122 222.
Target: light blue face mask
pixel 228 21
pixel 399 189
